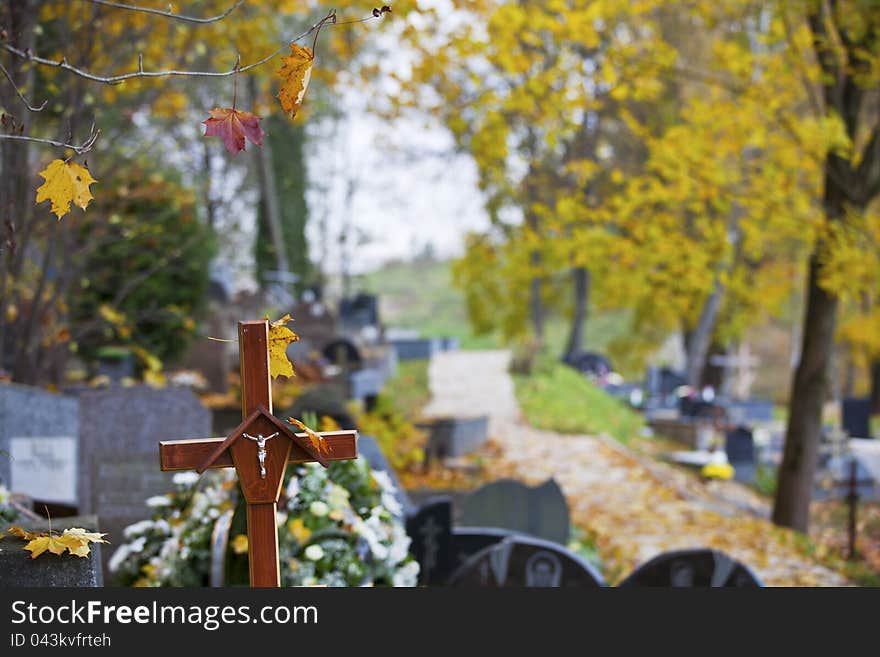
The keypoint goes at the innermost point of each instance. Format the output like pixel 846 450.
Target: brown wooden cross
pixel 260 449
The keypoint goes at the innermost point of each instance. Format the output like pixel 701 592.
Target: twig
pixel 141 73
pixel 21 95
pixel 168 14
pixel 85 147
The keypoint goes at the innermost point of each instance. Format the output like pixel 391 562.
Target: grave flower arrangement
pixel 337 527
pixel 8 512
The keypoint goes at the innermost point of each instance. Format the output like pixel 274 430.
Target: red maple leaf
pixel 232 126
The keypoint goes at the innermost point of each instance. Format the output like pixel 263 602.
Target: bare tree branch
pixel 21 95
pixel 85 147
pixel 141 73
pixel 168 14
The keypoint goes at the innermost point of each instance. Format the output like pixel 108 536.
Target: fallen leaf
pixel 66 182
pixel 319 443
pixel 76 540
pixel 296 71
pixel 280 338
pixel 232 126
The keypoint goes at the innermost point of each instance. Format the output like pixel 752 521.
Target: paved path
pixel 632 511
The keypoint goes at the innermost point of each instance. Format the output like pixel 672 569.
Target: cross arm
pixel 190 454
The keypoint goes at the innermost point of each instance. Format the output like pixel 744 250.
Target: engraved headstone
pixel 119 430
pixel 39 444
pixel 693 568
pixel 430 532
pixel 540 511
pixel 520 561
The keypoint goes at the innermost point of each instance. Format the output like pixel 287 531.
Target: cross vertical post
pixel 256 391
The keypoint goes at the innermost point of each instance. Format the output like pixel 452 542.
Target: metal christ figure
pixel 261 441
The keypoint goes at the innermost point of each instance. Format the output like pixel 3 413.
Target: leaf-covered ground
pixel 631 507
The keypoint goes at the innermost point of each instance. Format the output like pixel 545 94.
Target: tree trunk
pixel 269 197
pixel 581 276
pixel 791 507
pixel 699 341
pixel 536 305
pixel 874 394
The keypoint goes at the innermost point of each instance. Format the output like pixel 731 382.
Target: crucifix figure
pixel 260 459
pixel 261 440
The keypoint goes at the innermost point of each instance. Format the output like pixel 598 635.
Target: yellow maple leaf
pixel 76 540
pixel 319 443
pixel 280 338
pixel 66 182
pixel 44 542
pixel 296 71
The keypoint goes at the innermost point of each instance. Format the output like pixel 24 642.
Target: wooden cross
pixel 851 485
pixel 260 449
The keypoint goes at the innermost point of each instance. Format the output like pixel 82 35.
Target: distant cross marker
pixel 260 459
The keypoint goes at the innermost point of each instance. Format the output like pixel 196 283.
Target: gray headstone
pixel 369 450
pixel 120 430
pixel 416 348
pixel 520 561
pixel 39 444
pixel 693 568
pixel 17 569
pixel 455 437
pixel 540 511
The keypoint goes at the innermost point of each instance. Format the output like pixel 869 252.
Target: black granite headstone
pixel 693 569
pixel 540 511
pixel 856 417
pixel 430 530
pixel 520 561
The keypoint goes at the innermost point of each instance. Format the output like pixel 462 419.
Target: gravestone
pixel 358 312
pixel 540 511
pixel 342 352
pixel 430 533
pixel 314 324
pixel 749 411
pixel 119 430
pixel 17 569
pixel 39 444
pixel 416 348
pixel 739 444
pixel 856 417
pixel 369 450
pixel 520 561
pixel 455 437
pixel 693 568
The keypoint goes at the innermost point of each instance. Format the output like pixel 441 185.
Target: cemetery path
pixel 620 500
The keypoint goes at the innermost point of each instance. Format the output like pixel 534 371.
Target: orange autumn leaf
pixel 317 442
pixel 232 126
pixel 295 72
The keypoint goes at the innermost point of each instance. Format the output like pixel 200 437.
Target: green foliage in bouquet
pixel 336 527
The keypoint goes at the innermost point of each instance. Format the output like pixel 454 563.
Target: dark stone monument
pixel 340 351
pixel 17 569
pixel 540 511
pixel 454 437
pixel 856 417
pixel 739 444
pixel 520 561
pixel 120 430
pixel 416 348
pixel 430 530
pixel 359 311
pixel 589 363
pixel 692 569
pixel 39 442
